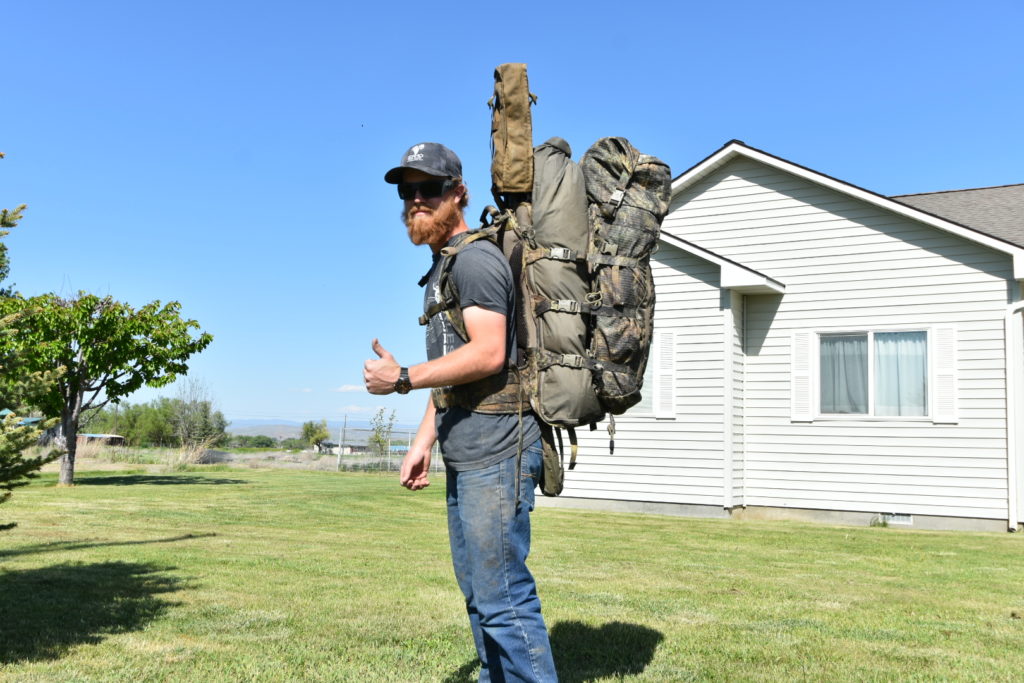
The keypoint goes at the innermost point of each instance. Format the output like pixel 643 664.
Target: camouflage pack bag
pixel 628 194
pixel 511 131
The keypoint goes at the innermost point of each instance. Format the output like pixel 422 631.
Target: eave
pixel 734 276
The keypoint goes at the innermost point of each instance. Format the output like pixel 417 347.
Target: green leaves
pixel 107 348
pixel 103 348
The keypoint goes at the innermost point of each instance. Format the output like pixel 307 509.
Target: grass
pixel 226 574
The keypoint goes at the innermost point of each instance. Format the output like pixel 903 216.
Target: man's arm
pixel 416 463
pixel 482 356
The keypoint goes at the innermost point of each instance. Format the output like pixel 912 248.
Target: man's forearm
pixel 426 433
pixel 464 364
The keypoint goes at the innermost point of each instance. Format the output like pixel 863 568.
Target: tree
pixel 196 423
pixel 105 349
pixel 16 386
pixel 161 422
pixel 315 433
pixel 257 441
pixel 382 428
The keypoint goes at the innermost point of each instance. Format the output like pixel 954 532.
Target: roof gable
pixel 736 149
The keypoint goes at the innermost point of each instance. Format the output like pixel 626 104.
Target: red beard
pixel 432 228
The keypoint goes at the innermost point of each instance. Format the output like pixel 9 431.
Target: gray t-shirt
pixel 471 440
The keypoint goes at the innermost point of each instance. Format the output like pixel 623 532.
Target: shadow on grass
pixel 49 610
pixel 152 480
pixel 584 653
pixel 79 545
pixel 616 649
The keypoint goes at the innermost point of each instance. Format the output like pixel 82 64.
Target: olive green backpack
pixel 578 238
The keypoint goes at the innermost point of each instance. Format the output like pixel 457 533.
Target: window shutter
pixel 944 375
pixel 801 409
pixel 664 374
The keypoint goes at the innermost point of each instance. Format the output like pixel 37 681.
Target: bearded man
pixel 474 413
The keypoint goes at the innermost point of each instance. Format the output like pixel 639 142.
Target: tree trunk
pixel 69 426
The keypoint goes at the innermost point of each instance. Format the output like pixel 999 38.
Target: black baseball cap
pixel 429 157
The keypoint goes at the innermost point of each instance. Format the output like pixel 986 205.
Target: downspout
pixel 1014 333
pixel 728 396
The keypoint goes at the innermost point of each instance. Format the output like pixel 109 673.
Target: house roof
pixel 735 276
pixel 999 211
pixel 736 149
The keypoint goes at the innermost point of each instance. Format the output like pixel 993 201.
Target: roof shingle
pixel 997 211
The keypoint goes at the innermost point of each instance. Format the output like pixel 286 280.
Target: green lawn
pixel 228 575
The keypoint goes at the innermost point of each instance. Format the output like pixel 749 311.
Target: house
pixel 825 352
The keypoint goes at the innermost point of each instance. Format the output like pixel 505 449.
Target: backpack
pixel 628 195
pixel 578 238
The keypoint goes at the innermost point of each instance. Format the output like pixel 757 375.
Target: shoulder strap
pixel 448 303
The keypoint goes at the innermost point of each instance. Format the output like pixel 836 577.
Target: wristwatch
pixel 403 385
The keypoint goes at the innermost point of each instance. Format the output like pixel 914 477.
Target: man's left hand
pixel 380 375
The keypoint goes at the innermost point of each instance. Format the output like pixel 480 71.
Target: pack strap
pixel 553 253
pixel 546 359
pixel 498 394
pixel 435 308
pixel 606 366
pixel 560 306
pixel 612 260
pixel 611 207
pixel 612 311
pixel 574 447
pixel 449 302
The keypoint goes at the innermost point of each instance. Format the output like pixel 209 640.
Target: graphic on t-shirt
pixel 446 331
pixel 441 338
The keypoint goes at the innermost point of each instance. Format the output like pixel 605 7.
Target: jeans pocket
pixel 529 475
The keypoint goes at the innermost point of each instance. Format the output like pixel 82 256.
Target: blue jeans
pixel 490 540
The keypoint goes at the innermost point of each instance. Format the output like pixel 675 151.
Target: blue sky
pixel 229 155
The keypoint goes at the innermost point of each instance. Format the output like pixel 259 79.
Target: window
pixel 876 374
pixel 658 392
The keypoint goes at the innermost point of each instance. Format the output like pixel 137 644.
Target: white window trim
pixel 942 376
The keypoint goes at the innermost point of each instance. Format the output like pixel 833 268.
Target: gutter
pixel 1014 334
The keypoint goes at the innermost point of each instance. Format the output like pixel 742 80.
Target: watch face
pixel 402 384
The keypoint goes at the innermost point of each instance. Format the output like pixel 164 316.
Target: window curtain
pixel 844 373
pixel 901 371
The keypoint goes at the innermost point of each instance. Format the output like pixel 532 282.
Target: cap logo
pixel 415 154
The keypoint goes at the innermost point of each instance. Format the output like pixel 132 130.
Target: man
pixel 474 413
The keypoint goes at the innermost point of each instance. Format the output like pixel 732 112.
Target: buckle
pixel 571 360
pixel 565 306
pixel 560 253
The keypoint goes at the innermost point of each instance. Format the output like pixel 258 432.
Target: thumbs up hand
pixel 380 374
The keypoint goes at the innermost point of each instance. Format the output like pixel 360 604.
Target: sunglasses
pixel 428 189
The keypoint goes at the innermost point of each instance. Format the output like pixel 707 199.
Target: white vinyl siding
pixel 849 265
pixel 675 460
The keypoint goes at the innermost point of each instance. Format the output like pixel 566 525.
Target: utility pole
pixel 341 441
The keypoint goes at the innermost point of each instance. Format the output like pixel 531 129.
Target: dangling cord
pixel 611 435
pixel 519 449
pixel 574 447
